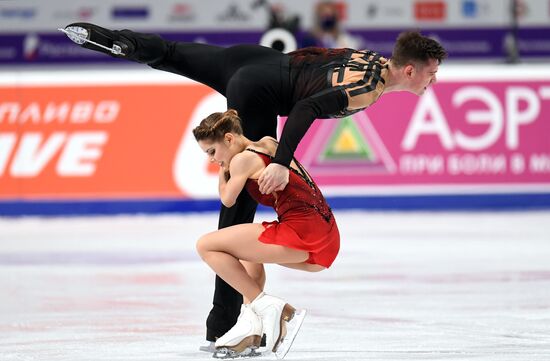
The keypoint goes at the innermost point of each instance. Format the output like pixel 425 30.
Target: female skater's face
pixel 218 151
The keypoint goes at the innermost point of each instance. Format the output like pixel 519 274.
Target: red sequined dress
pixel 305 221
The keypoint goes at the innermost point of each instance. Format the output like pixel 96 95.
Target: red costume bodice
pixel 300 197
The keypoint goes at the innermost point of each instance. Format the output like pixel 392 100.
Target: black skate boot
pixel 94 37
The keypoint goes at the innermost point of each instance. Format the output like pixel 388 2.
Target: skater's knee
pixel 203 245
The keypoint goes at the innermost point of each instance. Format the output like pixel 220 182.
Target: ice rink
pixel 406 286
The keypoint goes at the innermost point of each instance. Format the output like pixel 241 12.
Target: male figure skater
pixel 262 83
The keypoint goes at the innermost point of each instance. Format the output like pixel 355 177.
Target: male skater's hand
pixel 273 178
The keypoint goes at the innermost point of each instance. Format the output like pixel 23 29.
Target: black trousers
pixel 255 81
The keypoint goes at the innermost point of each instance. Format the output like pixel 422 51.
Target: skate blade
pixel 210 348
pixel 225 353
pixel 292 330
pixel 79 36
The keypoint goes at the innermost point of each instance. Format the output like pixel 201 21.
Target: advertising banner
pixel 459 135
pixel 461 44
pixel 123 135
pixel 101 141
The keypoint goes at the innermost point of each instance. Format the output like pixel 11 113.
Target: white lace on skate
pixel 80 36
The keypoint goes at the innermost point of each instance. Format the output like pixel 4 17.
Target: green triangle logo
pixel 347 142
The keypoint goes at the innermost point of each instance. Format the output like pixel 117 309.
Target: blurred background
pixel 85 133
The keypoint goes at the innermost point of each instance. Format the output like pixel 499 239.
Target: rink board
pixel 113 141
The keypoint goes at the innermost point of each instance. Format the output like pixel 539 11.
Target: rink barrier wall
pixel 463 202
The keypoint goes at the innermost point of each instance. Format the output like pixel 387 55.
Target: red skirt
pixel 312 234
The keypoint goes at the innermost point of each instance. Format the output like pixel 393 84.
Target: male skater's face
pixel 423 75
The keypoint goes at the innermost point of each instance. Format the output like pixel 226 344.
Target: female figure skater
pixel 305 237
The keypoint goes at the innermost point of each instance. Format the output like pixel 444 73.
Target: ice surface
pixel 406 286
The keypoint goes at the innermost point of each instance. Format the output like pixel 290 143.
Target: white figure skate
pixel 243 339
pixel 276 314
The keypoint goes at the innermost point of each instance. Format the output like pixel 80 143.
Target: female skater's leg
pixel 226 303
pixel 259 120
pixel 222 250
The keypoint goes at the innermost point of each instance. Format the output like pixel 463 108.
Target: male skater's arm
pixel 304 112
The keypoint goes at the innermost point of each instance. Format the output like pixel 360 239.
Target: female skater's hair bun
pixel 216 125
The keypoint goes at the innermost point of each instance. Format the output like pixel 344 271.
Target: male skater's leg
pixel 211 65
pixel 258 120
pixel 201 62
pixel 248 93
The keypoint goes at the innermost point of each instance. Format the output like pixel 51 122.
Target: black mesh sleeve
pixel 302 115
